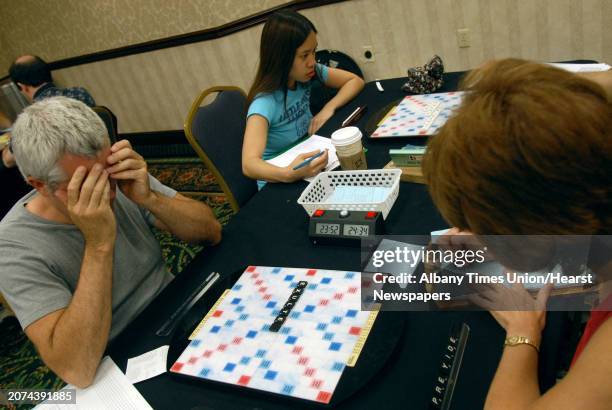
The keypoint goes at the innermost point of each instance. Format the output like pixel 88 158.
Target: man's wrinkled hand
pixel 129 169
pixel 89 206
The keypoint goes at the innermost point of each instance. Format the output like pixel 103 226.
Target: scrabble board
pixel 305 357
pixel 418 115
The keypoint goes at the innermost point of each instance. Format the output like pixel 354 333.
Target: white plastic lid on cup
pixel 346 136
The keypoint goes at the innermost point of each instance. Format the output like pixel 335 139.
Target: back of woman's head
pixel 529 151
pixel 284 32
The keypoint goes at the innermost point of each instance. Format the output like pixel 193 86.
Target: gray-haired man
pixel 78 258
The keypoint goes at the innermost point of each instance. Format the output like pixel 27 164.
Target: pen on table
pixel 307 161
pixel 355 115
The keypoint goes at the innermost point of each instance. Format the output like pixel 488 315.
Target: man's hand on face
pixel 89 206
pixel 129 169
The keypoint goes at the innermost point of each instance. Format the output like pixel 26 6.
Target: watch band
pixel 520 340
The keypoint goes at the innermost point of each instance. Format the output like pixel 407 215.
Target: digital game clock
pixel 344 227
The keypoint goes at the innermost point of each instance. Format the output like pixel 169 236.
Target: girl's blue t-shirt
pixel 286 126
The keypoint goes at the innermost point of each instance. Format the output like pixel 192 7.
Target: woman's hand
pixel 515 309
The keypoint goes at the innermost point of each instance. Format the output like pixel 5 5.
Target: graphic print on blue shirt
pixel 299 114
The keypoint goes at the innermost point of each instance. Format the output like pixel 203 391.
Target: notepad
pixel 110 389
pixel 314 143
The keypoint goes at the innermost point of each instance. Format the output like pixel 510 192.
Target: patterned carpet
pixel 20 366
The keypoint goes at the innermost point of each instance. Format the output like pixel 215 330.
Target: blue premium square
pixel 337 367
pixel 270 375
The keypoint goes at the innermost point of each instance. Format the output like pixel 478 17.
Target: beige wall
pixel 153 91
pixel 57 29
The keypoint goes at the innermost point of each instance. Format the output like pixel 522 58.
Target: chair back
pixel 110 120
pixel 216 131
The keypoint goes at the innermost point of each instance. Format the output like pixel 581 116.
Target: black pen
pixel 355 115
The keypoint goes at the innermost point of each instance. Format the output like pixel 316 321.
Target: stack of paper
pixel 111 389
pixel 314 143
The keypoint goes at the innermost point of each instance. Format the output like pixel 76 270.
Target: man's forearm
pixel 80 336
pixel 187 219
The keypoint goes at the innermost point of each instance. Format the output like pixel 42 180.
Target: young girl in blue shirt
pixel 279 111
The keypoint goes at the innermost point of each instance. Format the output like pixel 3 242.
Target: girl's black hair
pixel 283 33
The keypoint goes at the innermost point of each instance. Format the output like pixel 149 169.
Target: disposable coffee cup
pixel 347 142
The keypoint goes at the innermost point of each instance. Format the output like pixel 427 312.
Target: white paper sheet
pixel 111 390
pixel 147 365
pixel 581 68
pixel 316 142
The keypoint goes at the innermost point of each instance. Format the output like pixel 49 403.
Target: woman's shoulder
pixel 265 104
pixel 268 96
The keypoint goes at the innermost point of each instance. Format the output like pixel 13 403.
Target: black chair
pixel 215 131
pixel 110 120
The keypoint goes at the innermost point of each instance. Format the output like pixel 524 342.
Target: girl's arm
pixel 349 86
pixel 253 166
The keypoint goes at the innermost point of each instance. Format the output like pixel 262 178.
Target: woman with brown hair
pixel 529 152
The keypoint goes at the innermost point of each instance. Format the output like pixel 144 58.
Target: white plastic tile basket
pixel 325 183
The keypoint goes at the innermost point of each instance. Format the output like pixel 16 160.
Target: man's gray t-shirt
pixel 40 261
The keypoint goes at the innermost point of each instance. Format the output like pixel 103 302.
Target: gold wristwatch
pixel 520 340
